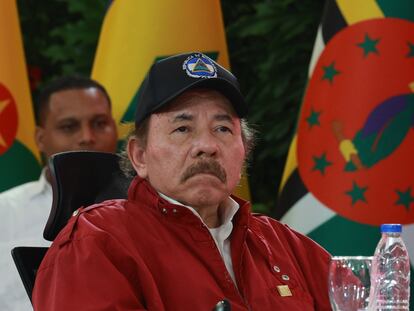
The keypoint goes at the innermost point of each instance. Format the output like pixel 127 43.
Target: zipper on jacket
pixel 243 299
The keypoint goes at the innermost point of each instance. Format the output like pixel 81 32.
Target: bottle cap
pixel 391 228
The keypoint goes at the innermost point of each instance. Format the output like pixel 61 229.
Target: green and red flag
pixel 135 34
pixel 349 165
pixel 19 157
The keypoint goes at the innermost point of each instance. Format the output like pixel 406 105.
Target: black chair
pixel 79 178
pixel 27 260
pixel 82 178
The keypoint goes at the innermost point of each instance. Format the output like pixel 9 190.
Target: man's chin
pixel 204 197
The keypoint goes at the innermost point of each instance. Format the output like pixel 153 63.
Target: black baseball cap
pixel 170 77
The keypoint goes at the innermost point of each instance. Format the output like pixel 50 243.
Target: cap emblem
pixel 199 66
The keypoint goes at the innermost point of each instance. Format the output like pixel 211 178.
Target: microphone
pixel 222 305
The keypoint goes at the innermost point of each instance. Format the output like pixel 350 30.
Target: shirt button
pixel 276 268
pixel 285 277
pixel 175 211
pixel 75 213
pixel 164 210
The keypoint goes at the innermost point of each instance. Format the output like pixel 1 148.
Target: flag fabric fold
pixel 19 156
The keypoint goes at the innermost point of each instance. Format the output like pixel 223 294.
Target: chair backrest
pixel 79 178
pixel 27 261
pixel 82 178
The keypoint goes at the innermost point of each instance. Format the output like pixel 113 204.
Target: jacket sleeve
pixel 314 261
pixel 94 273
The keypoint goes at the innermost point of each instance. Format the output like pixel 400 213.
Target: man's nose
pixel 87 136
pixel 205 144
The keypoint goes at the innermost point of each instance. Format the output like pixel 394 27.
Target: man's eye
pixel 224 129
pixel 68 128
pixel 182 129
pixel 100 124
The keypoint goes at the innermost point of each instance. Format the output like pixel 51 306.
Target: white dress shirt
pixel 222 233
pixel 24 211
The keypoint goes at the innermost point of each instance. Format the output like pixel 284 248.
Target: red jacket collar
pixel 141 190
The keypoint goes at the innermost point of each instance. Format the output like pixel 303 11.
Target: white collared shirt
pixel 222 233
pixel 24 211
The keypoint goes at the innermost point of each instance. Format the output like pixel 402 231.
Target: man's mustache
pixel 205 167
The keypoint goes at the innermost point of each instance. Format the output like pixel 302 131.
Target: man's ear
pixel 137 156
pixel 40 138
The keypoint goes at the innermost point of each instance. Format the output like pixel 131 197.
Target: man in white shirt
pixel 73 113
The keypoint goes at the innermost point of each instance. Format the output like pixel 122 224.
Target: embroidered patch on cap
pixel 199 66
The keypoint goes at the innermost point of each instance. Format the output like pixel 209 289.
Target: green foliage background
pixel 270 45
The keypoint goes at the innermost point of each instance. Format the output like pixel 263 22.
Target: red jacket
pixel 147 254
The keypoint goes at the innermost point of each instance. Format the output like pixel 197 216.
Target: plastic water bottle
pixel 390 272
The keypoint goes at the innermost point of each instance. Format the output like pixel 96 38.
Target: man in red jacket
pixel 181 241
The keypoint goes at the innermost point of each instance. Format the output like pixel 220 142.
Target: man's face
pixel 77 119
pixel 194 152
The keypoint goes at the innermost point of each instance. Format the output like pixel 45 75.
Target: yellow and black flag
pixel 135 34
pixel 349 165
pixel 19 157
